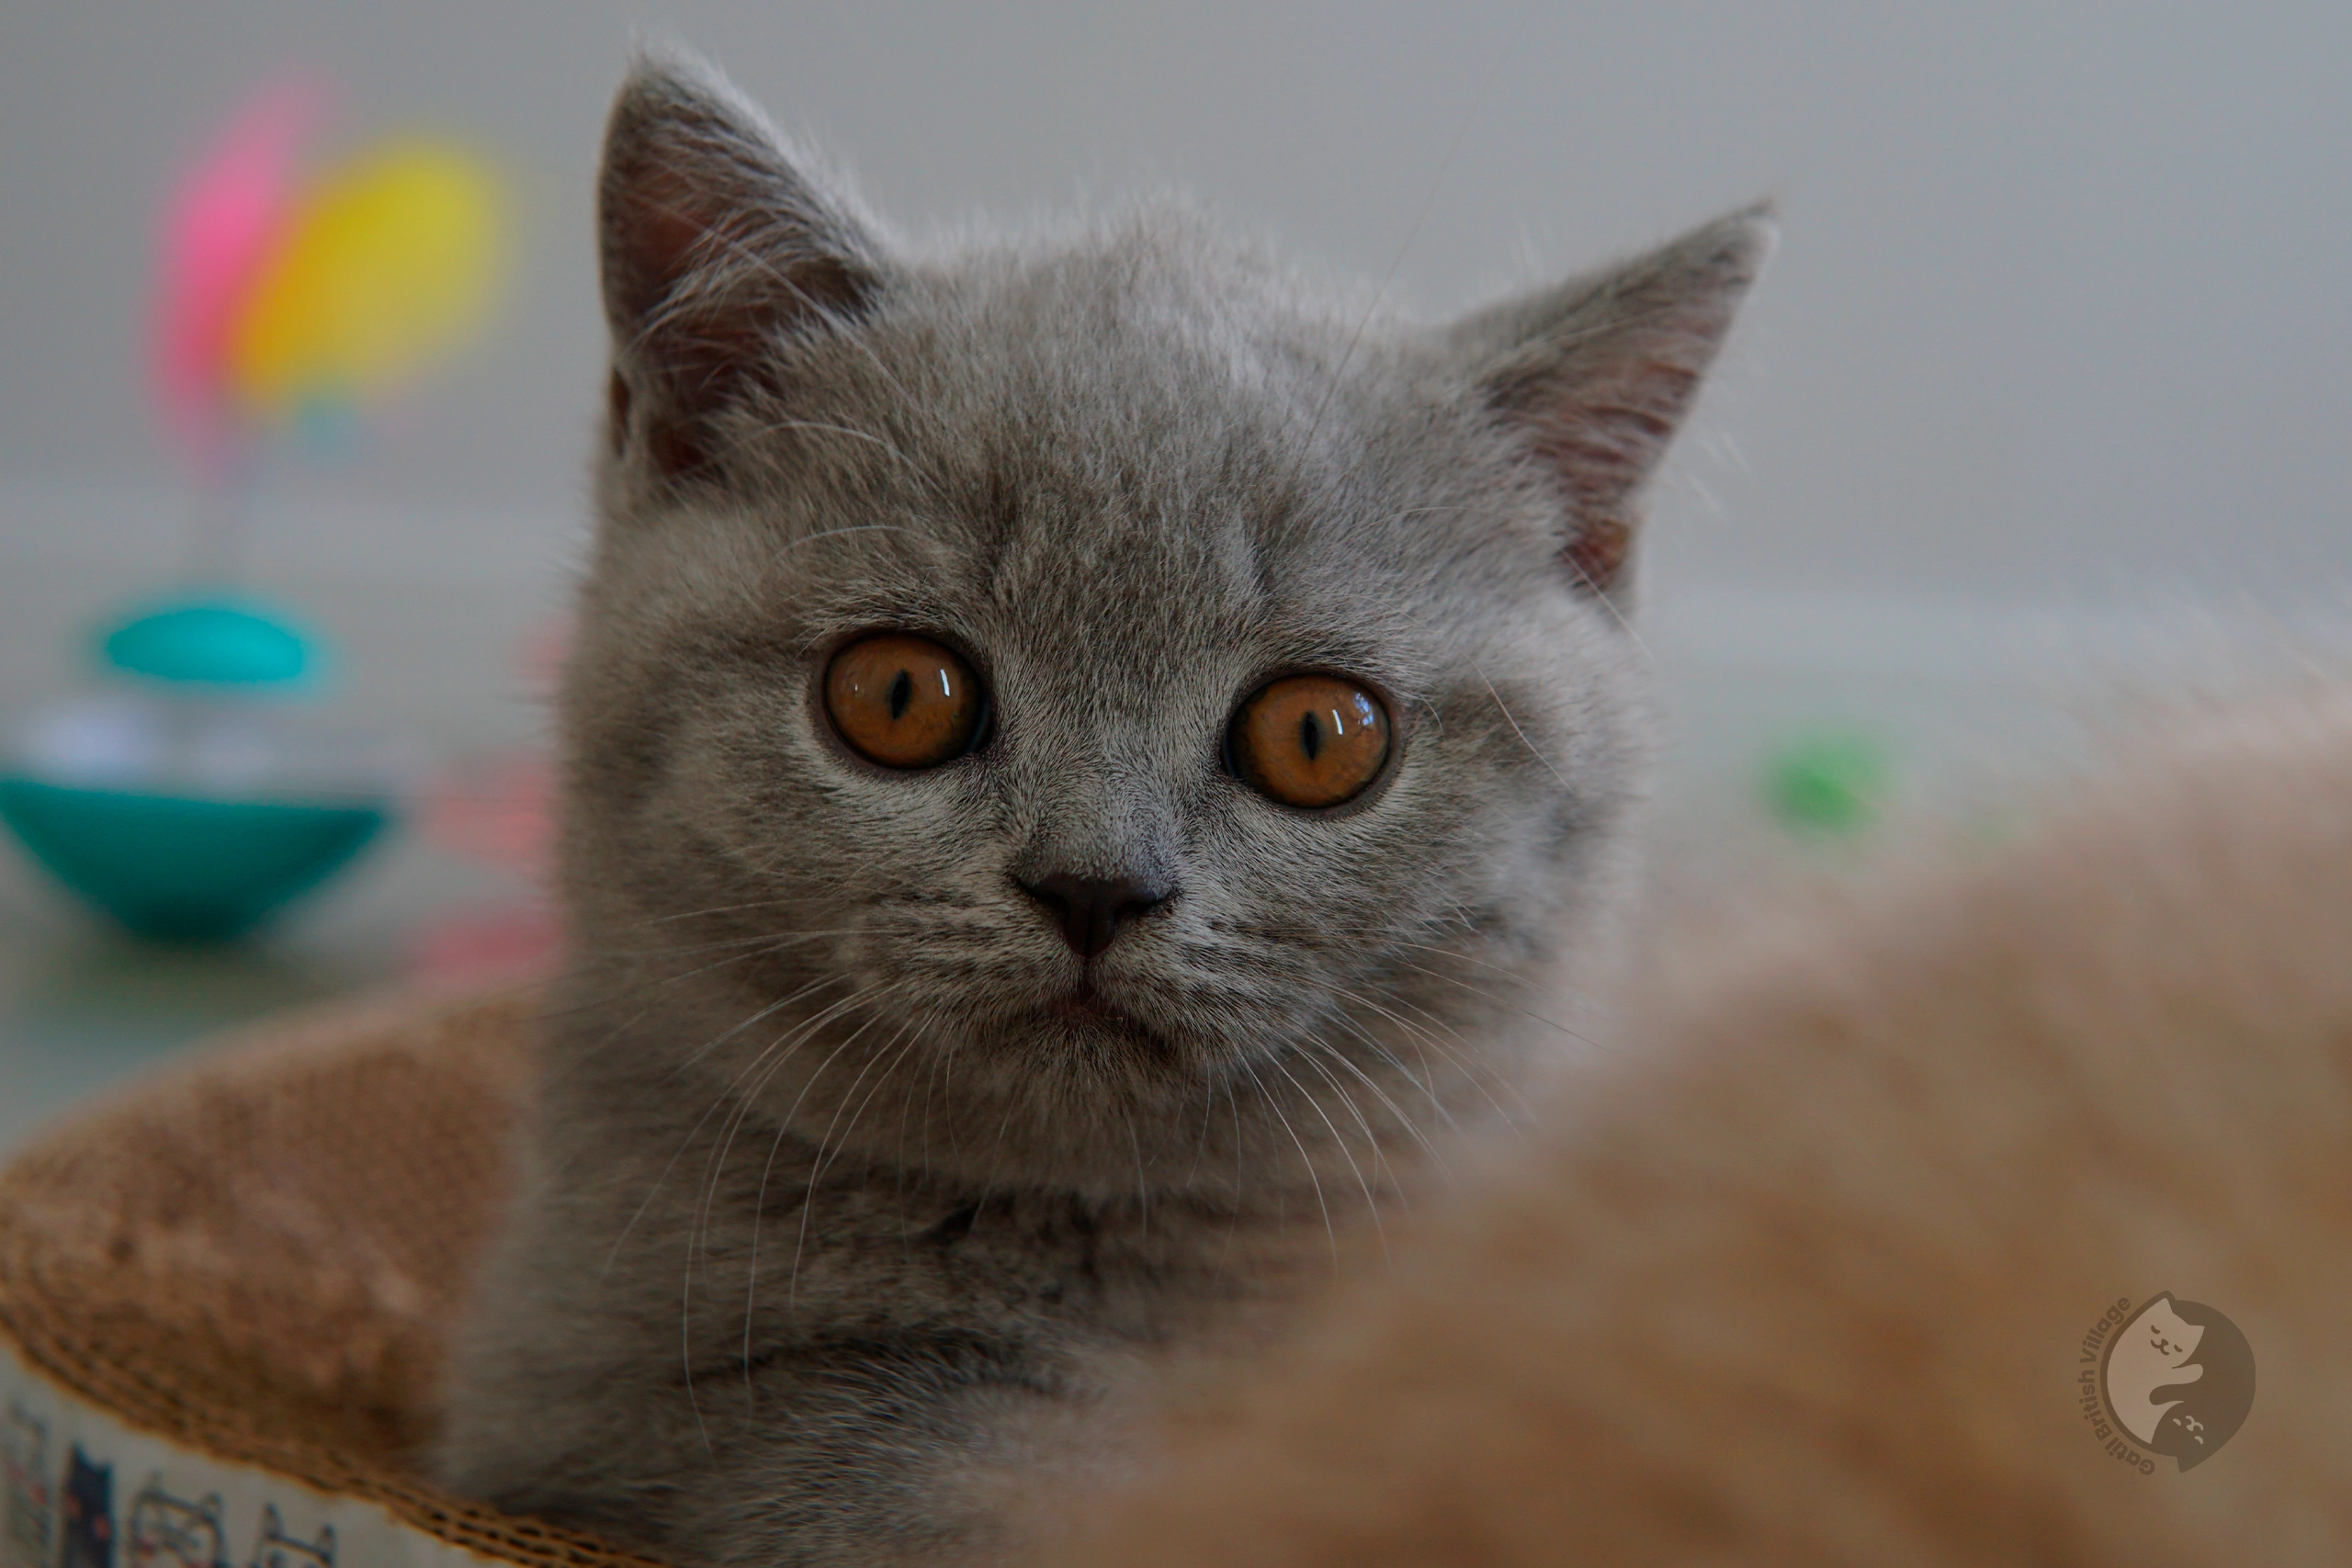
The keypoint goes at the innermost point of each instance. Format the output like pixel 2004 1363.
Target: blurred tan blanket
pixel 1829 1265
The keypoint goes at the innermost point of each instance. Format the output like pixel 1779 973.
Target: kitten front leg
pixel 825 1367
pixel 913 1448
pixel 838 1451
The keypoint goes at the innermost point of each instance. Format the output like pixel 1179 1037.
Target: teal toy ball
pixel 183 869
pixel 218 644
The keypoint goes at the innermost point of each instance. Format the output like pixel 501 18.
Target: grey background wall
pixel 2061 308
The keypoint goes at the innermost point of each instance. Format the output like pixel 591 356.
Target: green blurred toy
pixel 1832 784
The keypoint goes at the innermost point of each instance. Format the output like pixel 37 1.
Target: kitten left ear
pixel 716 250
pixel 1599 373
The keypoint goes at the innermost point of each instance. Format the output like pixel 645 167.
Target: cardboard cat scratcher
pixel 223 1297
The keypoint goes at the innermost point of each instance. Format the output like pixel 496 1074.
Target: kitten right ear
pixel 1598 373
pixel 716 250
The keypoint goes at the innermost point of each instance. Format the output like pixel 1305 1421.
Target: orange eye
pixel 904 702
pixel 1310 739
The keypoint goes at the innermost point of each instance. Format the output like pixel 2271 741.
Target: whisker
pixel 792 1289
pixel 1411 1128
pixel 759 1216
pixel 746 1100
pixel 1476 1080
pixel 1504 709
pixel 1371 1204
pixel 1512 1007
pixel 698 1232
pixel 776 426
pixel 1329 1230
pixel 688 1142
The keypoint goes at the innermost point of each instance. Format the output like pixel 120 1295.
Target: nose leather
pixel 1091 912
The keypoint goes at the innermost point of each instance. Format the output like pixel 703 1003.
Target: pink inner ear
pixel 1604 432
pixel 700 348
pixel 694 350
pixel 669 238
pixel 661 230
pixel 1599 552
pixel 1597 374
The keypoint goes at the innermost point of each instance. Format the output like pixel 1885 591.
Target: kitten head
pixel 2171 1338
pixel 1075 704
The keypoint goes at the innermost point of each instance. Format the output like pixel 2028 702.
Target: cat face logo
pixel 276 1549
pixel 2178 1377
pixel 164 1531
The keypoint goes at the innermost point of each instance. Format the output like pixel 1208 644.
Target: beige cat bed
pixel 223 1297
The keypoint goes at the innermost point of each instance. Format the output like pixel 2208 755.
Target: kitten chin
pixel 1816 1274
pixel 1084 757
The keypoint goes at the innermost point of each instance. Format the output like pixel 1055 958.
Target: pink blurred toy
pixel 218 233
pixel 285 305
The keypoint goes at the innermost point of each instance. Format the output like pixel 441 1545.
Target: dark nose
pixel 1090 911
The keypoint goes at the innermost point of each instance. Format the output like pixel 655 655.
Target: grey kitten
pixel 1083 760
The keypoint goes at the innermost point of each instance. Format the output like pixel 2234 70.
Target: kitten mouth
pixel 1084 1004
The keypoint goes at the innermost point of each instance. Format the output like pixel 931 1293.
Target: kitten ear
pixel 1600 371
pixel 716 250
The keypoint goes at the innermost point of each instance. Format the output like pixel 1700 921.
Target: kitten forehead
pixel 1139 457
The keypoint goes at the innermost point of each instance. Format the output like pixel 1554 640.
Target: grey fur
pixel 837 1240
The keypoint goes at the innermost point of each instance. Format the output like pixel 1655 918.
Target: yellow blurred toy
pixel 281 306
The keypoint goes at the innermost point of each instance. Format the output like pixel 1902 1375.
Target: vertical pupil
pixel 902 692
pixel 1311 736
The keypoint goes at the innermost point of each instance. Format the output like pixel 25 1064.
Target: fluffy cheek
pixel 910 876
pixel 1301 915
